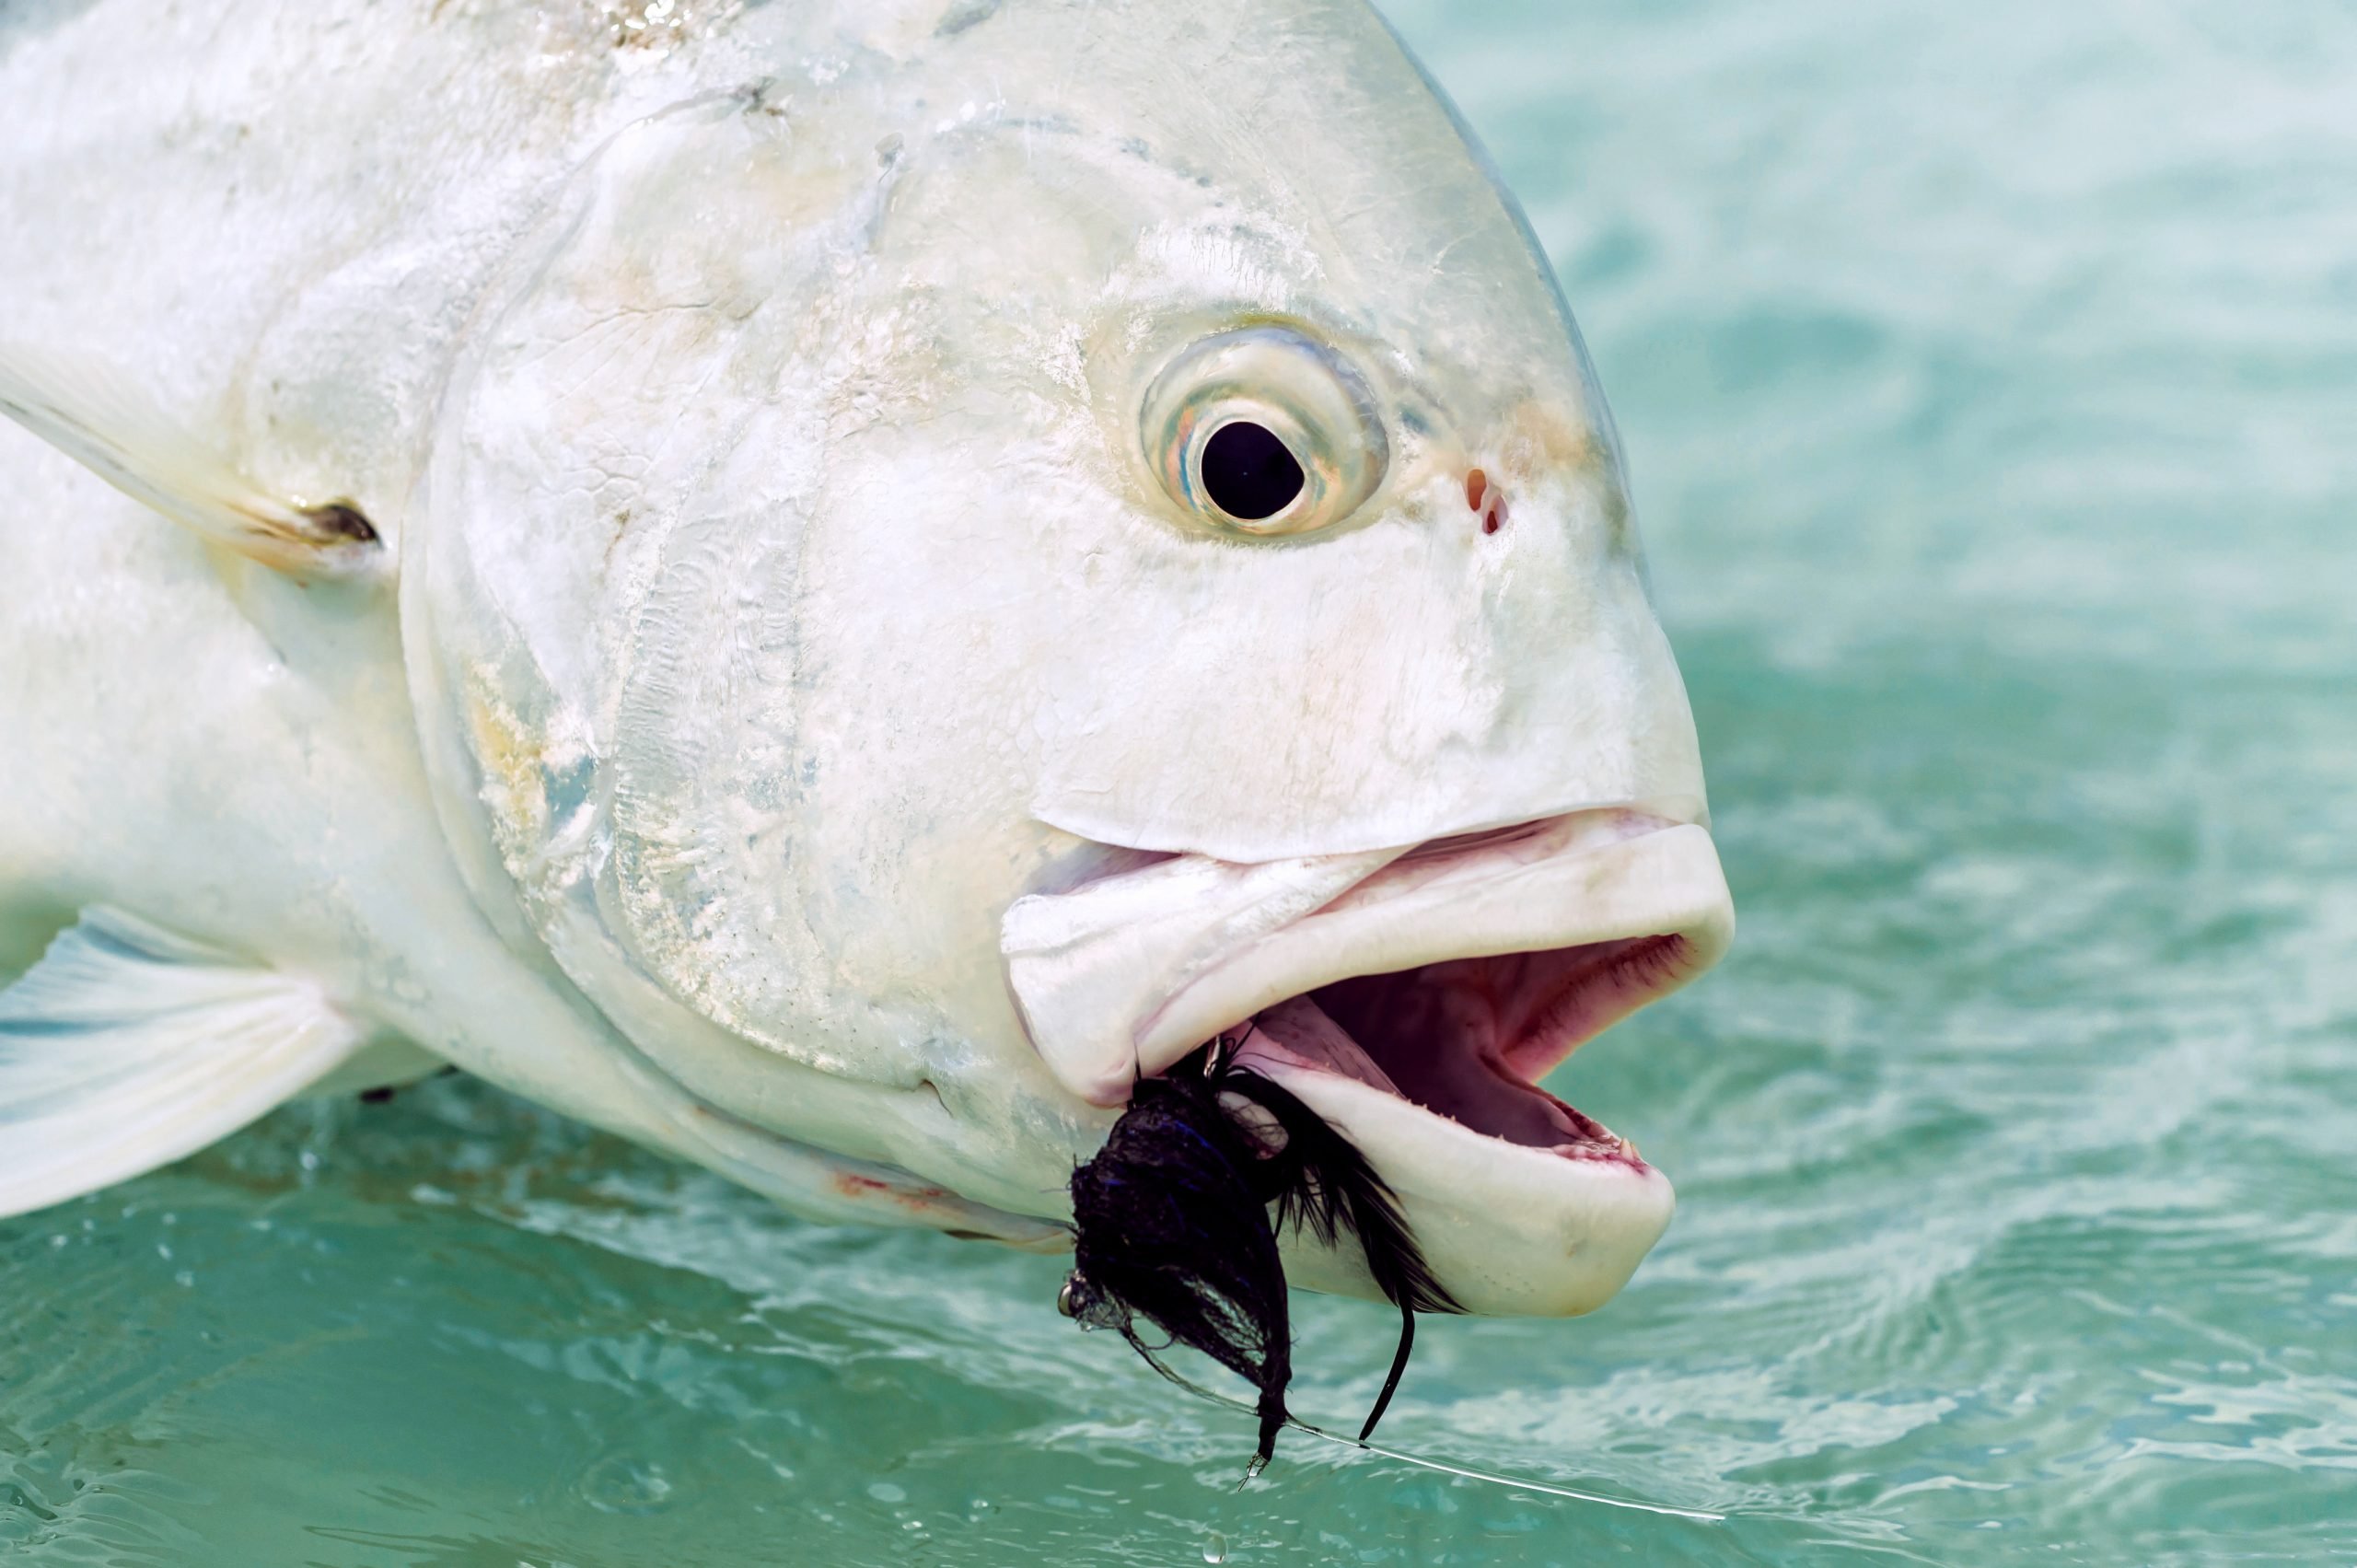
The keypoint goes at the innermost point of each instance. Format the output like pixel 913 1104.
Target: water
pixel 1989 375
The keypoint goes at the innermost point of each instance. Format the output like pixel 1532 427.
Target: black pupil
pixel 1247 472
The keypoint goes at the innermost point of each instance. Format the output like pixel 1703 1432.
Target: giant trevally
pixel 824 585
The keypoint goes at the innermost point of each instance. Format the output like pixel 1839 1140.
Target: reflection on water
pixel 1987 375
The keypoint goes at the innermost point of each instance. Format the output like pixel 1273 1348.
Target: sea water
pixel 1989 379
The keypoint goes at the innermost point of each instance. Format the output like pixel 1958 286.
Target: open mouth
pixel 1468 1039
pixel 1413 998
pixel 1453 975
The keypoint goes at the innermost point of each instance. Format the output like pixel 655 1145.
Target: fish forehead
pixel 1309 162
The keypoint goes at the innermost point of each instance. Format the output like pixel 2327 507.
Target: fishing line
pixel 1666 1510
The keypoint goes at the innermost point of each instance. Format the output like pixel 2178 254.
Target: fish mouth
pixel 1414 998
pixel 1468 1039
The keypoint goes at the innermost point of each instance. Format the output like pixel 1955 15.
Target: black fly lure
pixel 1171 1223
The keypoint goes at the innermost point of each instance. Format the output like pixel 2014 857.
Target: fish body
pixel 831 688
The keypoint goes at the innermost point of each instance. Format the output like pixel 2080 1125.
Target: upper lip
pixel 1126 975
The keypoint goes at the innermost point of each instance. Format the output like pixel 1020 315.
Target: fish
pixel 828 587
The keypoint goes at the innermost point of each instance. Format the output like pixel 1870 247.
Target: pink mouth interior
pixel 1468 1038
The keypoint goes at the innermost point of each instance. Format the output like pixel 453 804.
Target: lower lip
pixel 1607 1150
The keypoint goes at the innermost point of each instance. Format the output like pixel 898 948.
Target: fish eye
pixel 1263 432
pixel 1248 472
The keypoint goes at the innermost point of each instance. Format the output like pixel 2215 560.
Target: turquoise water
pixel 1989 377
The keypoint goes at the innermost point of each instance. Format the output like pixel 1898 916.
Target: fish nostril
pixel 1486 499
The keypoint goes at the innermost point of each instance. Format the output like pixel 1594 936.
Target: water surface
pixel 1988 375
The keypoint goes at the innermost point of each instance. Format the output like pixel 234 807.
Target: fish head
pixel 1084 532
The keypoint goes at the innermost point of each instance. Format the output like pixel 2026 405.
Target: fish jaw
pixel 1412 997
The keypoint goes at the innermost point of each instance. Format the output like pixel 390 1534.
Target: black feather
pixel 1321 1181
pixel 1168 1224
pixel 1171 1222
pixel 1327 1185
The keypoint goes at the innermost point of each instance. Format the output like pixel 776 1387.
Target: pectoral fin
pixel 105 422
pixel 127 1047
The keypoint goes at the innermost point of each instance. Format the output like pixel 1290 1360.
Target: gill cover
pixel 602 616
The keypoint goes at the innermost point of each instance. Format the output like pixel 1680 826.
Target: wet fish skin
pixel 748 399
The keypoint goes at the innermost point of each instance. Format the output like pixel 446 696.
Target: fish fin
pixel 102 420
pixel 127 1047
